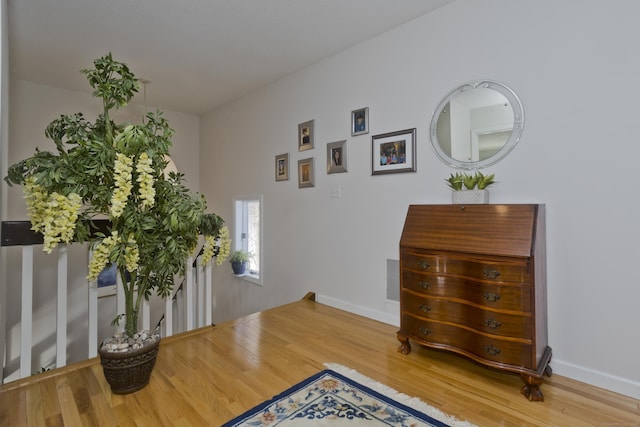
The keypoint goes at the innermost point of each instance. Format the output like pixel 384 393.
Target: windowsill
pixel 251 278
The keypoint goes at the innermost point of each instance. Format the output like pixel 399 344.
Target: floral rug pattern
pixel 332 399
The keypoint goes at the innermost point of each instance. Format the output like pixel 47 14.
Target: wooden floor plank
pixel 69 408
pixel 211 375
pixel 35 407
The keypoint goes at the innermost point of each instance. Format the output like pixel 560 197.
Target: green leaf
pixel 484 180
pixel 455 181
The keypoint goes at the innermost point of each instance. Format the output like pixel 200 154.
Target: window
pixel 248 233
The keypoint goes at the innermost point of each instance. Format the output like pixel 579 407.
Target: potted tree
pixel 117 172
pixel 239 260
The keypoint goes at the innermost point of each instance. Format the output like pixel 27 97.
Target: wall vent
pixel 393 279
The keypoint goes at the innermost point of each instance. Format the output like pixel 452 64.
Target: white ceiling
pixel 197 54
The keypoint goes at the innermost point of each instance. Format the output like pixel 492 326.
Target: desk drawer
pixel 497 296
pixel 472 344
pixel 514 271
pixel 487 321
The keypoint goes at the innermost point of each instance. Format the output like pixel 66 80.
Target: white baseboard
pixel 596 378
pixel 381 316
pixel 578 373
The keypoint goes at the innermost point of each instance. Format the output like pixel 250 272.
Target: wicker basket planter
pixel 129 371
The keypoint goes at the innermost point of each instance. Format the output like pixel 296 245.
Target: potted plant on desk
pixel 470 188
pixel 105 170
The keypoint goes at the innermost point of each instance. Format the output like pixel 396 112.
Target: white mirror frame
pixel 518 124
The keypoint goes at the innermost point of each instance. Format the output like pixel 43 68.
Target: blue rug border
pixel 414 412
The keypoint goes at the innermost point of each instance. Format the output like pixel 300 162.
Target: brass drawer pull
pixel 424 285
pixel 424 331
pixel 491 297
pixel 491 274
pixel 492 323
pixel 491 350
pixel 424 265
pixel 424 308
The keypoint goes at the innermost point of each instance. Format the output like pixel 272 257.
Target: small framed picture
pixel 305 173
pixel 282 167
pixel 360 121
pixel 305 136
pixel 393 152
pixel 337 157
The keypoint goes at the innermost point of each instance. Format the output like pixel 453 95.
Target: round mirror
pixel 477 124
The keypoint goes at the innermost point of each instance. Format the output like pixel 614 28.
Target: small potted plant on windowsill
pixel 470 188
pixel 239 260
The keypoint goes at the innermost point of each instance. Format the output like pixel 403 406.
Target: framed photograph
pixel 360 121
pixel 337 157
pixel 305 173
pixel 393 152
pixel 305 136
pixel 282 167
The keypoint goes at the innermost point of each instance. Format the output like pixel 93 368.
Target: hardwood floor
pixel 208 376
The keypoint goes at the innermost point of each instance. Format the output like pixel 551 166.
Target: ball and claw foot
pixel 405 346
pixel 531 388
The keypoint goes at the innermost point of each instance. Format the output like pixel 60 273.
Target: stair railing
pixel 189 306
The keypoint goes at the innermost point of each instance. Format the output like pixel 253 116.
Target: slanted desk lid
pixel 502 230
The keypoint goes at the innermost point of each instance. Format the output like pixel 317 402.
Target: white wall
pixel 572 63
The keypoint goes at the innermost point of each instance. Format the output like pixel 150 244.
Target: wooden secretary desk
pixel 473 281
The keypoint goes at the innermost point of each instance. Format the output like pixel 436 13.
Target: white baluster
pixel 208 293
pixel 200 299
pixel 180 311
pixel 120 306
pixel 168 316
pixel 188 294
pixel 61 315
pixel 26 318
pixel 92 309
pixel 146 315
pixel 93 319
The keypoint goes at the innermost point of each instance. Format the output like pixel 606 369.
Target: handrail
pixel 19 233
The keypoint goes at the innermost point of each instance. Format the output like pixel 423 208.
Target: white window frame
pixel 240 227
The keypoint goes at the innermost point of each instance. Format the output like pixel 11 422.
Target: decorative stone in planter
pixel 470 197
pixel 127 363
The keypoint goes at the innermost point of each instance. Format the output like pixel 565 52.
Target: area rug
pixel 339 396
